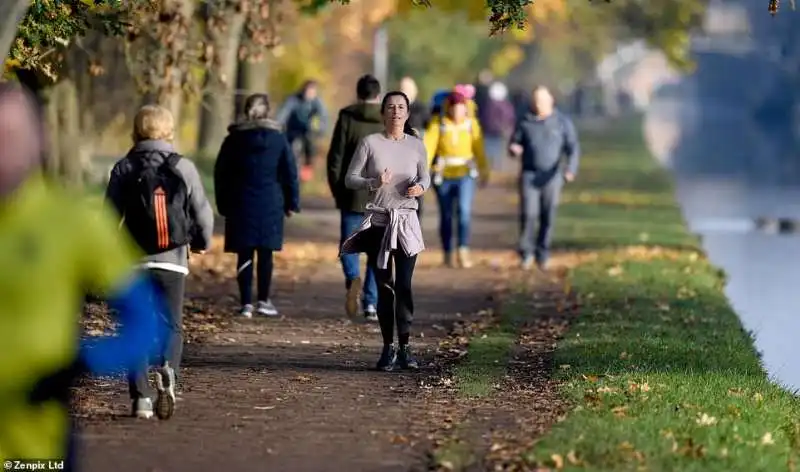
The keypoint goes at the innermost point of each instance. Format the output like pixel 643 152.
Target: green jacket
pixel 354 123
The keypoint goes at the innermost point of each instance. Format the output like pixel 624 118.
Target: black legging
pixel 395 297
pixel 245 274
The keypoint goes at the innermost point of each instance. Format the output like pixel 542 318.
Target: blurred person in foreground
pixel 297 116
pixel 455 149
pixel 542 137
pixel 355 122
pixel 497 121
pixel 57 247
pixel 256 184
pixel 392 165
pixel 160 197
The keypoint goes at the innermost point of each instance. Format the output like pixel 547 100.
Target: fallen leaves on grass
pixel 706 420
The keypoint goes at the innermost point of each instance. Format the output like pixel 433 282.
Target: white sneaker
pixel 371 313
pixel 267 308
pixel 143 408
pixel 246 311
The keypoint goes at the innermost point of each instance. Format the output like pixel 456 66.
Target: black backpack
pixel 157 209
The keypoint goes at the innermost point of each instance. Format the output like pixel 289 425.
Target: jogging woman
pixel 393 166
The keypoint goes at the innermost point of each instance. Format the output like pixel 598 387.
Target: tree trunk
pixel 217 106
pixel 174 98
pixel 52 162
pixel 251 77
pixel 71 144
pixel 12 12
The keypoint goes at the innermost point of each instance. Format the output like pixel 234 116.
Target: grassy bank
pixel 661 373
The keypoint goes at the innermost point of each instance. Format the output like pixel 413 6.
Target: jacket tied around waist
pixel 402 228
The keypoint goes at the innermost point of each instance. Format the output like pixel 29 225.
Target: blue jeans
pixel 351 264
pixel 539 194
pixel 455 199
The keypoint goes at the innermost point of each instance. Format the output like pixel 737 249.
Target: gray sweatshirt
pixel 407 160
pixel 176 260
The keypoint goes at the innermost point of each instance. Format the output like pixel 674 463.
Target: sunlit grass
pixel 660 371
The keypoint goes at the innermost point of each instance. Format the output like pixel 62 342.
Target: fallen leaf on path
pixel 558 461
pixel 399 439
pixel 263 407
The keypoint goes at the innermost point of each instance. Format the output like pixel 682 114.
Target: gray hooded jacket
pixel 176 260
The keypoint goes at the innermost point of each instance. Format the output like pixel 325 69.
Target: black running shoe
pixel 405 360
pixel 388 358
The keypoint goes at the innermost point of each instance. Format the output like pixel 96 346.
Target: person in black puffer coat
pixel 256 188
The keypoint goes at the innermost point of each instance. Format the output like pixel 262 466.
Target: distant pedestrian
pixel 256 184
pixel 418 118
pixel 298 116
pixel 542 137
pixel 355 122
pixel 455 148
pixel 393 166
pixel 497 121
pixel 419 115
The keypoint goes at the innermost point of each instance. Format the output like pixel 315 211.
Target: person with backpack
pixel 256 184
pixel 46 275
pixel 163 205
pixel 542 137
pixel 456 155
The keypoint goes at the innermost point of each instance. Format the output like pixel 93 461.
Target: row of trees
pixel 197 57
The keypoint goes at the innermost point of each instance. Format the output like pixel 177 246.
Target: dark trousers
pixel 303 143
pixel 538 203
pixel 262 257
pixel 395 298
pixel 172 286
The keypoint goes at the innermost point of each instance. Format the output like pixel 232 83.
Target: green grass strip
pixel 661 372
pixel 487 359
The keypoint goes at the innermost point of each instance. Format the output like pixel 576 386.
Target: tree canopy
pixel 49 26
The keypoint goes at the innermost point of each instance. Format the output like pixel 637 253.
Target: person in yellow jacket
pixel 454 143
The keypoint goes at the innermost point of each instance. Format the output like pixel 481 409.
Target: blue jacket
pixel 545 142
pixel 297 113
pixel 255 180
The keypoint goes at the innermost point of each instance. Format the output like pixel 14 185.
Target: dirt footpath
pixel 298 393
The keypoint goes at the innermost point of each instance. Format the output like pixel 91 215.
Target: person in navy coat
pixel 257 187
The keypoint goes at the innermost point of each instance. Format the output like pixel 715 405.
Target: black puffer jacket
pixel 256 182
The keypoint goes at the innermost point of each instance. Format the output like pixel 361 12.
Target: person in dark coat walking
pixel 354 123
pixel 256 188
